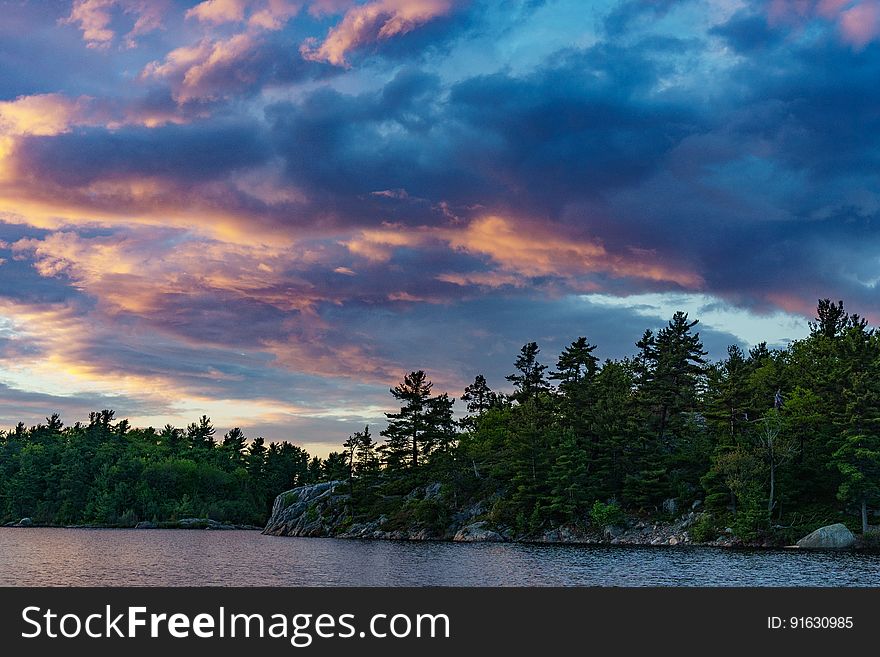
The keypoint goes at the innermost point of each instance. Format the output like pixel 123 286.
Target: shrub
pixel 705 529
pixel 606 514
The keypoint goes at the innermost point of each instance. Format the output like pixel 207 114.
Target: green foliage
pixel 416 514
pixel 107 473
pixel 705 529
pixel 773 441
pixel 606 514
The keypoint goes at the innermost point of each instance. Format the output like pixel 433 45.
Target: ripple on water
pixel 123 557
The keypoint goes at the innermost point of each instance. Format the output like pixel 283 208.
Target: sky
pixel 269 211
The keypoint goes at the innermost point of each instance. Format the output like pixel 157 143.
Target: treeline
pixel 107 473
pixel 771 442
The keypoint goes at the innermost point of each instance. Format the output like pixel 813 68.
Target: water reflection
pixel 81 557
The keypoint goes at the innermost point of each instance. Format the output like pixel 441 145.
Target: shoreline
pixel 732 545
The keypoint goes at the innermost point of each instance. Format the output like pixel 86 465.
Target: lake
pixel 129 557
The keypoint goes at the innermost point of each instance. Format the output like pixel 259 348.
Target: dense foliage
pixel 772 442
pixel 107 473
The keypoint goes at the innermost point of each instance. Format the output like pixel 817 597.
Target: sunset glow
pixel 268 211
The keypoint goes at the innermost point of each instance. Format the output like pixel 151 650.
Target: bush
pixel 290 498
pixel 606 514
pixel 705 529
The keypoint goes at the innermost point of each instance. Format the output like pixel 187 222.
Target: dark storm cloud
pixel 576 129
pixel 183 153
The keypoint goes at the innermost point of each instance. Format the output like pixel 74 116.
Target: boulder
pixel 834 536
pixel 25 522
pixel 313 510
pixel 145 524
pixel 612 531
pixel 670 506
pixel 432 491
pixel 565 534
pixel 477 532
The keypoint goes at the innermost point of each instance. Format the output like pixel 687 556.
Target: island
pixel 763 448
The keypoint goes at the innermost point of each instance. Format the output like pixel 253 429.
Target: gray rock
pixel 566 534
pixel 465 517
pixel 25 522
pixel 834 536
pixel 313 510
pixel 477 532
pixel 432 491
pixel 696 505
pixel 202 523
pixel 670 506
pixel 145 524
pixel 612 531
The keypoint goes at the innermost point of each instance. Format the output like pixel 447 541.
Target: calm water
pixel 120 557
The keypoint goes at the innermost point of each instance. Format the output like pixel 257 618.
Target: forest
pixel 771 443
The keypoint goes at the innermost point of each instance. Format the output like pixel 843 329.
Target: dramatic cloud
pixel 43 115
pixel 374 21
pixel 270 210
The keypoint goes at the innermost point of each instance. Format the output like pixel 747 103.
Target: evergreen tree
pixel 409 428
pixel 201 435
pixel 479 396
pixel 528 380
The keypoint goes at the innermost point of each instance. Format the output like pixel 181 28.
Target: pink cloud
pixel 218 11
pixel 94 18
pixel 857 21
pixel 274 14
pixel 375 21
pixel 860 24
pixel 204 71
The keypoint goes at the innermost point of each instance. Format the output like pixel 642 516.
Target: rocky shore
pixel 323 510
pixel 183 523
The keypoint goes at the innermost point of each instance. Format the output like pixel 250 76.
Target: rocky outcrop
pixel 325 510
pixel 477 532
pixel 24 522
pixel 835 536
pixel 314 510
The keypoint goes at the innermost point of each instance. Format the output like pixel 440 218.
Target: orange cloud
pixel 373 22
pixel 42 115
pixel 521 249
pixel 126 274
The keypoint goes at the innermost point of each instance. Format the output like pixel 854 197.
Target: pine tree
pixel 857 457
pixel 201 435
pixel 407 429
pixel 479 396
pixel 528 380
pixel 576 372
